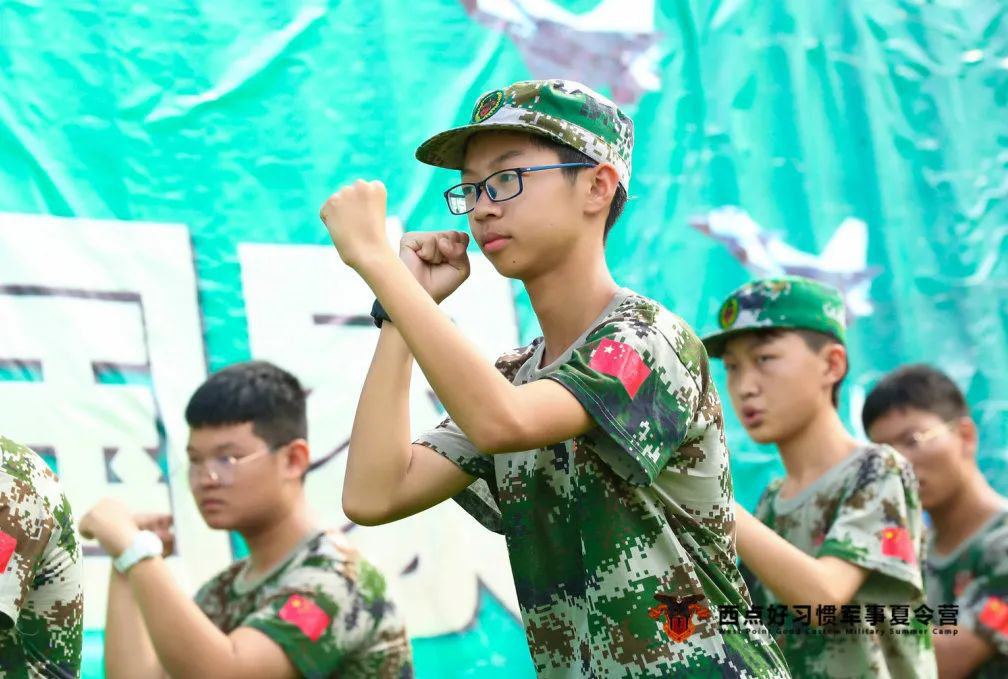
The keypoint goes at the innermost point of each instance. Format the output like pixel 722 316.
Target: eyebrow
pixel 498 160
pixel 216 449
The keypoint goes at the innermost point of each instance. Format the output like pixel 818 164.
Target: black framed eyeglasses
pixel 500 186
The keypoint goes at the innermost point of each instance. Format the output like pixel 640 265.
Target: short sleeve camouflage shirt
pixel 41 600
pixel 974 578
pixel 324 606
pixel 621 541
pixel 864 510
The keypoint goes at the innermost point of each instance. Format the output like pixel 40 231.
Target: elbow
pixel 502 435
pixel 831 594
pixel 362 512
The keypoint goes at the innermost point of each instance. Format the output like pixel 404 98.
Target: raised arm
pixel 497 416
pixel 387 476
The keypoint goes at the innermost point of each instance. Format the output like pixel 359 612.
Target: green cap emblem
pixel 488 105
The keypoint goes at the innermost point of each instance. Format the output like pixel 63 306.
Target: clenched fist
pixel 437 259
pixel 355 219
pixel 160 525
pixel 111 523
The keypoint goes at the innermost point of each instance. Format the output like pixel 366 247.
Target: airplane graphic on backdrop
pixel 842 263
pixel 613 45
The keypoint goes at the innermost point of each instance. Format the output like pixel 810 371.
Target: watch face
pixel 150 543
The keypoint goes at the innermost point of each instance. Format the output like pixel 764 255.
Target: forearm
pixel 467 384
pixel 129 653
pixel 187 643
pixel 958 655
pixel 794 577
pixel 380 440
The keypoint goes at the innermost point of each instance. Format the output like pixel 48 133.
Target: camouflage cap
pixel 789 303
pixel 565 111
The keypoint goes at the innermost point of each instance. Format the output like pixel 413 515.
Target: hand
pixel 437 259
pixel 111 523
pixel 355 219
pixel 160 525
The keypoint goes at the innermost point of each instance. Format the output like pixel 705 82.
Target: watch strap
pixel 379 314
pixel 145 545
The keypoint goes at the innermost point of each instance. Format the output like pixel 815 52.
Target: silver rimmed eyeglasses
pixel 500 186
pixel 221 470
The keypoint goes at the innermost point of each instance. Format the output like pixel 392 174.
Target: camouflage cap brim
pixel 447 149
pixel 716 343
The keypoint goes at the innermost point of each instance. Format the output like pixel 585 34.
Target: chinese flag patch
pixel 896 542
pixel 7 546
pixel 622 362
pixel 994 613
pixel 306 615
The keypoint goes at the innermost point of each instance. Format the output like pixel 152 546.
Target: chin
pixel 218 522
pixel 762 435
pixel 508 267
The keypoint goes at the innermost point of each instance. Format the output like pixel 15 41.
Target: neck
pixel 815 448
pixel 568 297
pixel 270 543
pixel 964 512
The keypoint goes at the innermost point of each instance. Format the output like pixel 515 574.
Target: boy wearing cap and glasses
pixel 598 449
pixel 841 533
pixel 302 604
pixel 919 411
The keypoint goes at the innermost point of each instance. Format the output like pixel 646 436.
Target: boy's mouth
pixel 752 417
pixel 494 241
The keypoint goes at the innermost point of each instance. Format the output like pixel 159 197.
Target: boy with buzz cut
pixel 303 603
pixel 919 411
pixel 598 449
pixel 841 534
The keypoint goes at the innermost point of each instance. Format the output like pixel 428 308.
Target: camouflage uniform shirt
pixel 864 510
pixel 974 577
pixel 324 606
pixel 41 600
pixel 621 540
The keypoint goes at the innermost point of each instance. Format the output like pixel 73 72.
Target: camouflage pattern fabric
pixel 789 303
pixel 324 606
pixel 864 510
pixel 621 540
pixel 41 600
pixel 565 111
pixel 974 577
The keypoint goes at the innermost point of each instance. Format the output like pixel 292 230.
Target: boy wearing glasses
pixel 837 542
pixel 598 449
pixel 922 413
pixel 302 604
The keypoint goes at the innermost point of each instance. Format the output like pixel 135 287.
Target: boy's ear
pixel 966 429
pixel 604 182
pixel 298 458
pixel 836 362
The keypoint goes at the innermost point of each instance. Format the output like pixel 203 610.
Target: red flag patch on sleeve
pixel 7 546
pixel 622 362
pixel 896 542
pixel 994 613
pixel 306 615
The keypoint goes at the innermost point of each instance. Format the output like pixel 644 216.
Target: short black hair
pixel 259 392
pixel 918 386
pixel 814 340
pixel 569 154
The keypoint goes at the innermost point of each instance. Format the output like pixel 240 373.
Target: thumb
pixel 410 242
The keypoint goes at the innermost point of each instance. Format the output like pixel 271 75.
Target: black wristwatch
pixel 379 314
